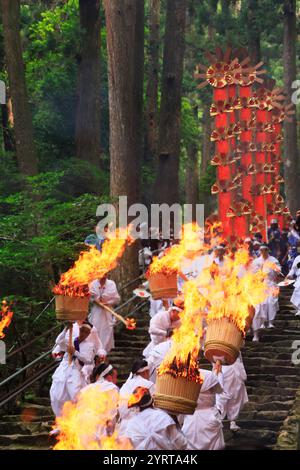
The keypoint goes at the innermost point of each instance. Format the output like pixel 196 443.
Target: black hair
pixel 138 364
pixel 99 369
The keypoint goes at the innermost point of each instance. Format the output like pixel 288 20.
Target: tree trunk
pixel 290 128
pixel 253 31
pixel 167 179
pixel 206 142
pixel 151 133
pixel 8 142
pixel 25 149
pixel 125 43
pixel 192 176
pixel 88 114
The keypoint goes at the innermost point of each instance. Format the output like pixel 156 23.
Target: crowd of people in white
pixel 223 392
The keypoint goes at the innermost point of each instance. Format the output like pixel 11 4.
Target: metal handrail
pixel 21 348
pixel 24 385
pixel 15 374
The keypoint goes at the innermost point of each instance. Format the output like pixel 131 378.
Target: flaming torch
pixel 5 318
pixel 162 273
pixel 231 300
pixel 179 381
pixel 72 292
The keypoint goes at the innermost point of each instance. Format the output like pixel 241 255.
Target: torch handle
pixel 119 317
pixel 70 342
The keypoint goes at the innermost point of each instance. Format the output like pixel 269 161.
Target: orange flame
pixel 93 264
pixel 233 289
pixel 5 318
pixel 137 395
pixel 190 244
pixel 130 323
pixel 87 424
pixel 182 359
pixel 221 291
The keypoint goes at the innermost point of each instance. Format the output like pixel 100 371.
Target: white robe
pixel 295 299
pixel 204 430
pixel 126 390
pixel 154 429
pixel 94 339
pixel 103 320
pixel 156 357
pixel 68 380
pixel 159 326
pixel 234 395
pixel 155 307
pixel 266 311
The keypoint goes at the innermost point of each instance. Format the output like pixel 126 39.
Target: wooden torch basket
pixel 163 286
pixel 71 308
pixel 223 341
pixel 176 395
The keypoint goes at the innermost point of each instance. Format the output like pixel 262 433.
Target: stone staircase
pixel 273 380
pixel 272 385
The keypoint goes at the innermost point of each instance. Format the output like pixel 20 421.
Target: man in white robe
pixel 160 324
pixel 295 272
pixel 139 377
pixel 204 430
pixel 68 380
pixel 265 312
pixel 152 428
pixel 157 355
pixel 99 352
pixel 234 395
pixel 104 291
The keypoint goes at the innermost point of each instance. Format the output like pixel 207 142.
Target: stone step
pixel 16 418
pixel 33 409
pixel 20 427
pixel 267 398
pixel 282 406
pixel 259 424
pixel 35 439
pixel 272 370
pixel 270 415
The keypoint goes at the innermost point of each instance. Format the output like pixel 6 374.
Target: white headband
pixel 106 371
pixel 176 308
pixel 143 369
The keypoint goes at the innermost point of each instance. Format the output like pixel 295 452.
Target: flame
pixel 137 395
pixel 130 323
pixel 233 289
pixel 182 359
pixel 93 264
pixel 190 244
pixel 219 291
pixel 86 424
pixel 5 318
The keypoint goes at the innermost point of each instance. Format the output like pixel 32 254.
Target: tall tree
pixel 192 171
pixel 291 166
pixel 151 113
pixel 25 149
pixel 125 43
pixel 167 183
pixel 88 114
pixel 253 31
